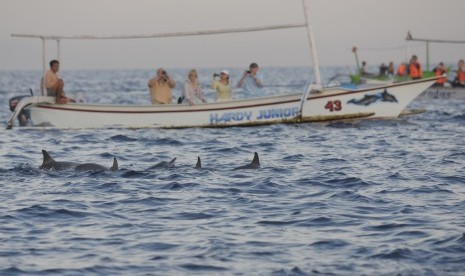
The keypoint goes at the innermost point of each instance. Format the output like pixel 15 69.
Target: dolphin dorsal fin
pixel 172 160
pixel 115 165
pixel 199 163
pixel 256 160
pixel 47 157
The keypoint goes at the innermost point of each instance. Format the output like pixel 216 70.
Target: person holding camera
pixel 160 88
pixel 221 84
pixel 251 82
pixel 192 93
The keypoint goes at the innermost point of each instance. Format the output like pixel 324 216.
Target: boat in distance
pixel 315 104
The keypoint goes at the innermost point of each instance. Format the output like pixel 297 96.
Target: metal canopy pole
pixel 44 86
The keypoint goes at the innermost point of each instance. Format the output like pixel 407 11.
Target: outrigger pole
pixel 428 41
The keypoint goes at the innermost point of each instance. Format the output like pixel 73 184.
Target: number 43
pixel 334 105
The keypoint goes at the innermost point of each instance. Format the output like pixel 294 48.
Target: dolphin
pixel 164 165
pixel 198 166
pixel 255 164
pixel 49 163
pixel 96 167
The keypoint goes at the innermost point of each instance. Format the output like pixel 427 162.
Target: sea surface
pixel 376 197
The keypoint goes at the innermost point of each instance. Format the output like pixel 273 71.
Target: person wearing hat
pixel 221 84
pixel 251 82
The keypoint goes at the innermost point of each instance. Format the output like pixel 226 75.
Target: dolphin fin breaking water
pixel 199 163
pixel 255 164
pixel 49 163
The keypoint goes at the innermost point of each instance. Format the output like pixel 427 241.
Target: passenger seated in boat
pixel 402 70
pixel 192 93
pixel 383 70
pixel 440 70
pixel 414 68
pixel 221 84
pixel 54 84
pixel 160 87
pixel 363 70
pixel 459 80
pixel 251 82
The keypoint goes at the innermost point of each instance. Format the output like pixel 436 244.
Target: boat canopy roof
pixel 411 38
pixel 159 35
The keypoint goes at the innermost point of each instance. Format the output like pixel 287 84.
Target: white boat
pixel 315 104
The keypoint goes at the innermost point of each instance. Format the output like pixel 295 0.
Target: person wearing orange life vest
pixel 460 79
pixel 414 68
pixel 402 70
pixel 440 70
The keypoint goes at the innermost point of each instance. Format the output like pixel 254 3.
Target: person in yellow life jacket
pixel 460 79
pixel 415 71
pixel 402 70
pixel 440 70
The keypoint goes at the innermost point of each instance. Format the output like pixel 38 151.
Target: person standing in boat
pixel 460 79
pixel 222 86
pixel 414 68
pixel 251 82
pixel 161 87
pixel 54 84
pixel 192 93
pixel 440 70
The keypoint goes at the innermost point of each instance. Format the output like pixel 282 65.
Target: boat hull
pixel 332 104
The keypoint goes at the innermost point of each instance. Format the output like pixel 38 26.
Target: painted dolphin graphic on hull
pixel 255 164
pixel 164 164
pixel 51 164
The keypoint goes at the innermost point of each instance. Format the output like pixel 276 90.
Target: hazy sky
pixel 377 27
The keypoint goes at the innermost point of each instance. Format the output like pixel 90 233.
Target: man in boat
pixel 161 87
pixel 251 82
pixel 460 79
pixel 440 70
pixel 54 84
pixel 414 68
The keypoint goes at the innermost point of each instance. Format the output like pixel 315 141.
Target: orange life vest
pixel 401 70
pixel 440 72
pixel 415 71
pixel 461 75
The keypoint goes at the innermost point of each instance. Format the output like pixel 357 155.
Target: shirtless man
pixel 54 84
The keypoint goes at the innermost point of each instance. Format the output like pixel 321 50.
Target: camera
pixel 216 75
pixel 164 73
pixel 248 71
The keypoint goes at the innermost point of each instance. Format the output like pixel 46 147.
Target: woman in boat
pixel 192 93
pixel 460 79
pixel 221 84
pixel 160 88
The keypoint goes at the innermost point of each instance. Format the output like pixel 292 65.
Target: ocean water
pixel 376 197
